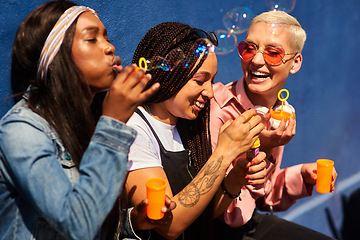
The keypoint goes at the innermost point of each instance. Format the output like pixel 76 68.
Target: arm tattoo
pixel 190 195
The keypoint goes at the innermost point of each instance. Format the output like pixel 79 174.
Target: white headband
pixel 56 38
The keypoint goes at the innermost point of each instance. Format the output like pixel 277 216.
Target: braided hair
pixel 159 41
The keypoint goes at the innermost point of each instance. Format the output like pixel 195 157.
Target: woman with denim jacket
pixel 61 167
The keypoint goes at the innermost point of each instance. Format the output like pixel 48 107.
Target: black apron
pixel 180 172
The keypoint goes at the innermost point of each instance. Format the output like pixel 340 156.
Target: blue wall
pixel 325 92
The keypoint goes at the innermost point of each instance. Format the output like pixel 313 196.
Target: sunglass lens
pixel 209 35
pixel 213 38
pixel 246 51
pixel 274 55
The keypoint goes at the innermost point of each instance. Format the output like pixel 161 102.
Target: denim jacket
pixel 42 194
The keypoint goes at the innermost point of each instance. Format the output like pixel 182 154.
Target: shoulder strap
pixel 152 129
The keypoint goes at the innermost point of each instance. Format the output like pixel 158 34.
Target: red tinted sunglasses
pixel 272 55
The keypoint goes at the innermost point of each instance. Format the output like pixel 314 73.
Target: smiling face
pixel 93 53
pixel 263 81
pixel 191 99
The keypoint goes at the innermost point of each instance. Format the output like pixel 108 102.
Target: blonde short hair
pixel 287 21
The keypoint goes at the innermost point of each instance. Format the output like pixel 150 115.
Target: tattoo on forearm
pixel 202 183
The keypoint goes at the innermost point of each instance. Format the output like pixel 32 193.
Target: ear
pixel 296 63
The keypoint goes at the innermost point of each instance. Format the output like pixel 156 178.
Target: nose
pixel 258 58
pixel 208 92
pixel 109 48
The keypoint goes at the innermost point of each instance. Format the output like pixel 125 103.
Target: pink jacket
pixel 282 187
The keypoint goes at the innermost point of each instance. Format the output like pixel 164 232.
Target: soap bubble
pixel 175 57
pixel 227 42
pixel 281 5
pixel 238 19
pixel 200 48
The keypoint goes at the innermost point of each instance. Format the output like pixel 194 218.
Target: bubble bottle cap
pixel 256 143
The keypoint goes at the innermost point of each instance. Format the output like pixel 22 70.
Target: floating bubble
pixel 201 47
pixel 238 19
pixel 176 56
pixel 227 42
pixel 281 5
pixel 158 62
pixel 173 58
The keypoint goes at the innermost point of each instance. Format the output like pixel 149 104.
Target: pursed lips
pixel 116 61
pixel 116 65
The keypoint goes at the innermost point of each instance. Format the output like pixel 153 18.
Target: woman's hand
pixel 245 172
pixel 256 173
pixel 308 171
pixel 237 136
pixel 140 221
pixel 273 138
pixel 126 93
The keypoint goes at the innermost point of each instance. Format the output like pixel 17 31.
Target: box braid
pixel 159 41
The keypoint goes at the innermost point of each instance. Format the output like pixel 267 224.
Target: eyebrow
pixel 206 73
pixel 271 44
pixel 96 29
pixel 91 28
pixel 203 73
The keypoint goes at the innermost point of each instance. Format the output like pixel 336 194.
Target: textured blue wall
pixel 325 92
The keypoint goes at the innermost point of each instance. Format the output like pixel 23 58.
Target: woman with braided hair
pixel 173 140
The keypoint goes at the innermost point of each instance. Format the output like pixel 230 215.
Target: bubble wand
pixel 282 115
pixel 283 99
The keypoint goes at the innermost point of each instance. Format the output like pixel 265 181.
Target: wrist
pixel 227 192
pixel 219 153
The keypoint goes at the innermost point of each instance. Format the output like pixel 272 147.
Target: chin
pixel 194 116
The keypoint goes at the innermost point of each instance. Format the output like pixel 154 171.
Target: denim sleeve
pixel 32 169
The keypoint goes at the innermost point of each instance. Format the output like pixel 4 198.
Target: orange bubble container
pixel 280 116
pixel 155 191
pixel 324 173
